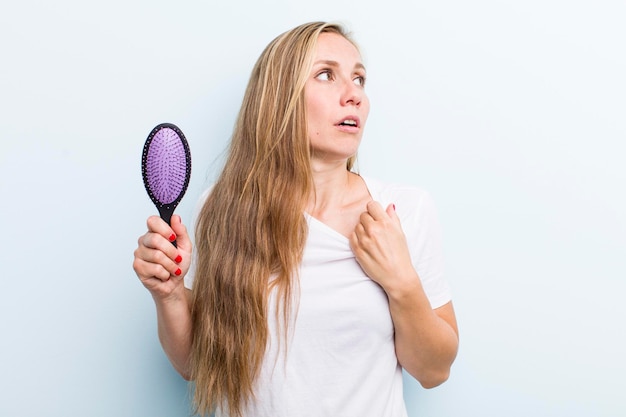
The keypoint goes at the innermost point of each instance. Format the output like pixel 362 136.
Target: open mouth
pixel 349 122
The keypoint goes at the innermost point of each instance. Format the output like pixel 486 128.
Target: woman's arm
pixel 161 267
pixel 174 327
pixel 426 340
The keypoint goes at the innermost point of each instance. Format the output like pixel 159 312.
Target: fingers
pixel 375 217
pixel 391 211
pixel 155 256
pixel 367 230
pixel 182 237
pixel 379 244
pixel 158 226
pixel 375 210
pixel 148 270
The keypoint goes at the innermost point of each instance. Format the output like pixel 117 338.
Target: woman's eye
pixel 360 81
pixel 324 76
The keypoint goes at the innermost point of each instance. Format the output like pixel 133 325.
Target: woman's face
pixel 336 103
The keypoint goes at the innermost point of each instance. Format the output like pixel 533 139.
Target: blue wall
pixel 510 113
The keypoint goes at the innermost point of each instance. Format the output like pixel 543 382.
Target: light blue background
pixel 512 114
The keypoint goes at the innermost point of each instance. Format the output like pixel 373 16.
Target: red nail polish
pixel 173 237
pixel 178 272
pixel 394 207
pixel 178 259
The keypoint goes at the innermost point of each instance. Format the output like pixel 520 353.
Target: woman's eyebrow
pixel 331 63
pixel 327 62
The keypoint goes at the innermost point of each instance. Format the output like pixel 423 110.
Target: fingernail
pixel 394 207
pixel 172 237
pixel 178 259
pixel 178 272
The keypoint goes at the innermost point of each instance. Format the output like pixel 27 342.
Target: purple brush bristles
pixel 166 167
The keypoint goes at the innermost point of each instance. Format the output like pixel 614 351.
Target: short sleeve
pixel 424 236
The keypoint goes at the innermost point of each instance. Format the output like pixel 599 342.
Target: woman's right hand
pixel 159 264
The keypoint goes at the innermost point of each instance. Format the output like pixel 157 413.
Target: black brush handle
pixel 166 214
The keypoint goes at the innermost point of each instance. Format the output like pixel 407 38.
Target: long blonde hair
pixel 252 226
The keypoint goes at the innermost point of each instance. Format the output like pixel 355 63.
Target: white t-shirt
pixel 341 359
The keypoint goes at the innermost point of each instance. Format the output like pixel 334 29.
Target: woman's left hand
pixel 380 247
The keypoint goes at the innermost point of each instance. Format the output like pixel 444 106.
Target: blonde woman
pixel 312 287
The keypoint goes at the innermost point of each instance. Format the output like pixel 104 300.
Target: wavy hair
pixel 251 231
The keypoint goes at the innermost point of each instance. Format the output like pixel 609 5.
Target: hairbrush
pixel 166 168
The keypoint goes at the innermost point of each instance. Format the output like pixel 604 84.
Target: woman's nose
pixel 352 94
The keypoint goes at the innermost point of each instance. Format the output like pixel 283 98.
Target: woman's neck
pixel 335 189
pixel 340 197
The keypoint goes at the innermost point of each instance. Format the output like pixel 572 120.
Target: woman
pixel 308 296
